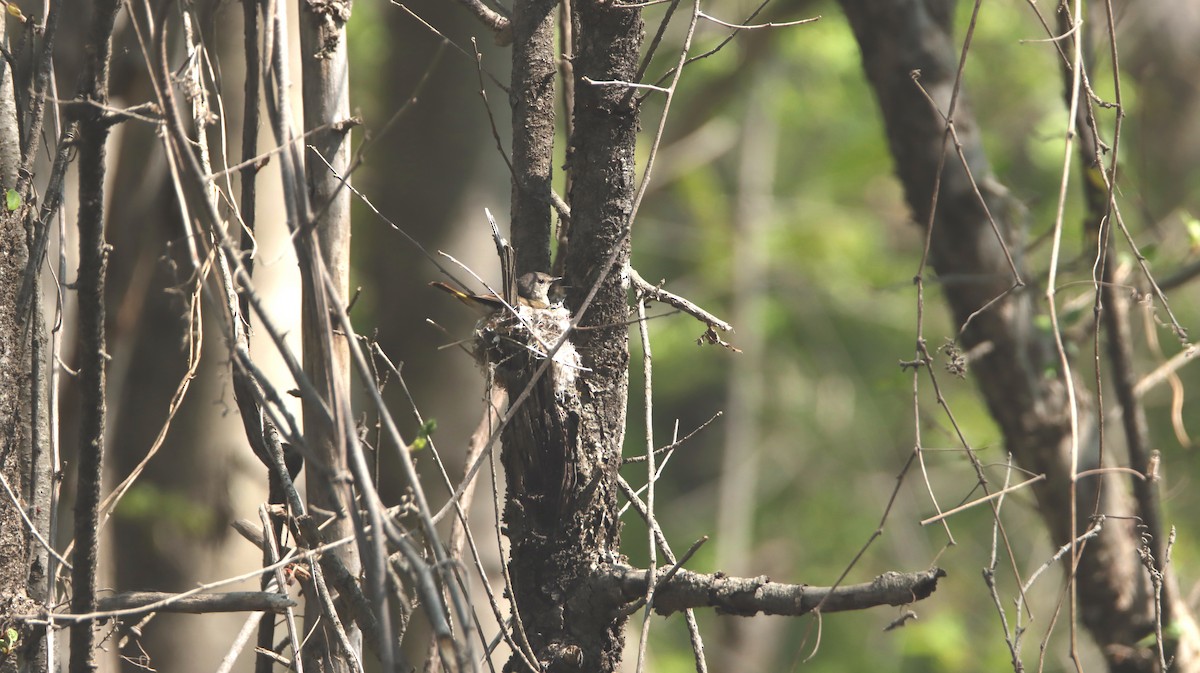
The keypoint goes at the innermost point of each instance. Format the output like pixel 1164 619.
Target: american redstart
pixel 533 290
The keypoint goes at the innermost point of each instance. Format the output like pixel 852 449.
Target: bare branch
pixel 497 22
pixel 741 26
pixel 233 601
pixel 980 501
pixel 1164 371
pixel 656 293
pixel 748 596
pixel 675 444
pixel 93 260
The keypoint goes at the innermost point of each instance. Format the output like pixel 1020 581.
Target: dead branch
pixel 497 22
pixel 645 289
pixel 748 596
pixel 233 601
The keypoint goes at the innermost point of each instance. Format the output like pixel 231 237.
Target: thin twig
pixel 661 541
pixel 270 552
pixel 12 497
pixel 656 40
pixel 656 141
pixel 442 36
pixel 424 514
pixel 293 557
pixel 460 532
pixel 620 83
pixel 741 26
pixel 980 501
pixel 651 478
pixel 1164 371
pixel 675 444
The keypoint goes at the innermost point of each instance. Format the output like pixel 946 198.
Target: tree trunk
pixel 326 357
pixel 563 448
pixel 1032 408
pixel 25 450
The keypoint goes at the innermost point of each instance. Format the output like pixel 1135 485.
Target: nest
pixel 517 344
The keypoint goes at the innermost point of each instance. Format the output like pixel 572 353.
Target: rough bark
pixel 93 253
pixel 532 97
pixel 1031 408
pixel 563 449
pixel 750 596
pixel 17 427
pixel 24 436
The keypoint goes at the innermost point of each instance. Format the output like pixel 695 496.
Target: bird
pixel 533 290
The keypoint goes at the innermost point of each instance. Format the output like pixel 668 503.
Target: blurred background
pixel 772 205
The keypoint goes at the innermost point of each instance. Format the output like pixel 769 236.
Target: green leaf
pixel 1149 251
pixel 428 428
pixel 422 439
pixel 12 200
pixel 10 642
pixel 1193 230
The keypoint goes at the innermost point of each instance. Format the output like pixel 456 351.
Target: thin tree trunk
pixel 534 67
pixel 326 357
pixel 93 253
